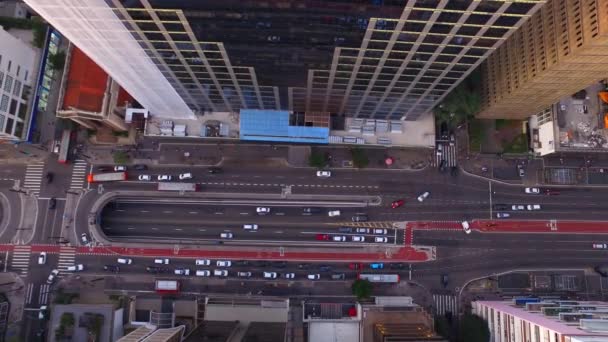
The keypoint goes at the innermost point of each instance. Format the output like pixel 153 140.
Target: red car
pixel 550 192
pixel 322 237
pixel 355 266
pixel 397 203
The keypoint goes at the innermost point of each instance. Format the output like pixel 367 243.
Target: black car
pixel 103 168
pixel 360 218
pixel 397 266
pixel 501 207
pixel 214 170
pixel 140 167
pixel 49 177
pixel 303 266
pixel 311 210
pixel 111 268
pixel 324 268
pixel 262 263
pixel 279 264
pixel 242 263
pixel 52 203
pixel 338 276
pixel 153 269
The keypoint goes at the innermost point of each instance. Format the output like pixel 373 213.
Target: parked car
pixel 42 258
pixel 338 276
pixel 184 176
pixel 111 268
pixel 358 238
pixel 533 206
pixel 466 227
pixel 502 215
pixel 140 167
pixel 362 230
pixel 262 210
pixel 226 235
pixel 376 266
pixel 163 261
pixel 52 276
pixel 397 203
pixel 243 274
pixel 381 239
pixel 144 177
pixel 271 275
pixel 250 226
pixel 162 178
pixel 314 277
pixel 423 196
pixel 345 229
pixel 223 263
pixel 333 213
pixel 516 207
pixel 125 261
pixel 324 174
pixel 75 268
pixel 220 273
pixel 360 218
pixel 381 231
pixel 119 168
pixel 600 245
pixel 339 238
pixel 202 262
pixel 182 271
pixel 534 191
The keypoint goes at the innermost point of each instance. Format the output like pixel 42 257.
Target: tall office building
pixel 381 59
pixel 562 49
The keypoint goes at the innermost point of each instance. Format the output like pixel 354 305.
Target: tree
pixel 120 157
pixel 473 329
pixel 317 159
pixel 462 103
pixel 362 288
pixel 57 60
pixel 359 156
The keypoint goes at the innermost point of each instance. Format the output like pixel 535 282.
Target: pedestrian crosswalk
pixel 79 172
pixel 67 257
pixel 21 259
pixel 445 152
pixel 33 177
pixel 43 294
pixel 444 304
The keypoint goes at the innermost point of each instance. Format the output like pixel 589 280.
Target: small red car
pixel 355 266
pixel 550 192
pixel 322 237
pixel 397 203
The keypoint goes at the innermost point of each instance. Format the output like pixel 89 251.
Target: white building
pixel 17 74
pixel 545 320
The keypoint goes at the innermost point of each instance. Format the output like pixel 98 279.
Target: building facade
pixel 389 60
pixel 562 49
pixel 544 320
pixel 17 73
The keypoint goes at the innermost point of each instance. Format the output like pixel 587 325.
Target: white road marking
pixel 177 229
pixel 193 212
pixel 244 213
pixel 219 213
pixel 280 214
pixel 144 211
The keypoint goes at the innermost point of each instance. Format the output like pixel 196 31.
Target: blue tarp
pixel 273 125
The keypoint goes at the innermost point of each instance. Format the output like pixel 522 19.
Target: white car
pixel 223 263
pixel 125 261
pixel 339 238
pixel 381 231
pixel 262 210
pixel 324 174
pixel 220 273
pixel 466 227
pixel 163 178
pixel 226 235
pixel 532 191
pixel 203 273
pixel 182 271
pixel 203 262
pixel 75 268
pixel 52 276
pixel 42 312
pixel 289 275
pixel 600 245
pixel 164 261
pixel 42 258
pixel 516 207
pixel 314 276
pixel 333 213
pixel 382 239
pixel 358 238
pixel 423 196
pixel 362 230
pixel 118 168
pixel 533 206
pixel 502 215
pixel 271 275
pixel 144 177
pixel 244 274
pixel 183 176
pixel 84 238
pixel 250 226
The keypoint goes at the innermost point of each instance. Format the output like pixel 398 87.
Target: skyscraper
pixel 391 59
pixel 562 49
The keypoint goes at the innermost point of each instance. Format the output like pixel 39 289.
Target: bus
pixel 175 186
pixel 166 286
pixel 64 146
pixel 106 177
pixel 380 278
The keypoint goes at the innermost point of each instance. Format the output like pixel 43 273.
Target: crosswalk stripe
pixel 21 259
pixel 449 154
pixel 79 172
pixel 33 177
pixel 444 304
pixel 67 257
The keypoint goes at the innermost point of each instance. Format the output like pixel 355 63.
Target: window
pixel 26 74
pixel 8 85
pixel 4 103
pixel 9 126
pixel 1 121
pixel 17 88
pixel 1 79
pixel 18 70
pixel 22 111
pixel 9 66
pixel 13 109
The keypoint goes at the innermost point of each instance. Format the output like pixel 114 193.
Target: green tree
pixel 462 103
pixel 57 60
pixel 67 319
pixel 120 157
pixel 317 159
pixel 473 329
pixel 362 288
pixel 359 156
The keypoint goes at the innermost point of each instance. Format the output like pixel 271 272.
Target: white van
pixel 333 213
pixel 250 226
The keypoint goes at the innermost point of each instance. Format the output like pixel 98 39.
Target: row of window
pixel 18 71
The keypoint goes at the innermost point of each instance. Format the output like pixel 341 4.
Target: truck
pixel 174 186
pixel 165 286
pixel 107 177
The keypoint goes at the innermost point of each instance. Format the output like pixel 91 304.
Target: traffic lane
pixel 513 242
pixel 49 222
